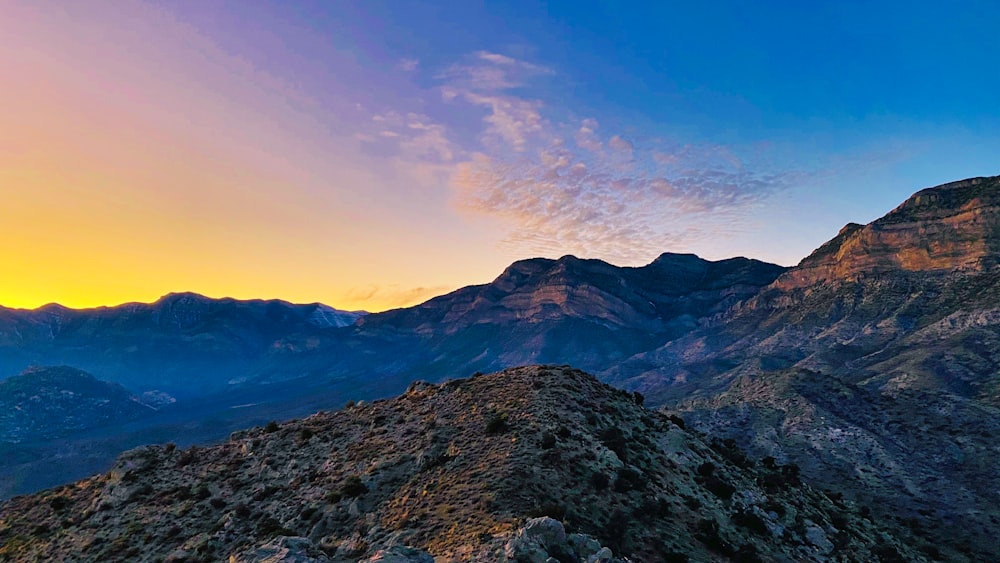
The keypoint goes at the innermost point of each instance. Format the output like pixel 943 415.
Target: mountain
pixel 492 468
pixel 588 312
pixel 874 365
pixel 49 402
pixel 184 344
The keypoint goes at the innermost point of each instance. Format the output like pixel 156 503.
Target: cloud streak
pixel 570 187
pixel 563 185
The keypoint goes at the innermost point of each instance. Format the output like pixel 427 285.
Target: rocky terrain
pixel 525 465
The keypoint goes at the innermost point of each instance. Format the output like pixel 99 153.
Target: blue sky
pixel 379 153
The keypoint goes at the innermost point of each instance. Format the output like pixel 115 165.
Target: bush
pixel 353 487
pixel 271 427
pixel 599 481
pixel 305 434
pixel 706 469
pixel 629 479
pixel 639 398
pixel 497 424
pixel 718 487
pixel 750 521
pixel 187 456
pixel 548 441
pixel 614 439
pixel 551 510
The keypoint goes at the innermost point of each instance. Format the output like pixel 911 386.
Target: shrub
pixel 170 447
pixel 750 521
pixel 548 441
pixel 217 503
pixel 706 469
pixel 718 487
pixel 187 456
pixel 599 480
pixel 678 421
pixel 58 503
pixel 614 439
pixel 629 479
pixel 305 434
pixel 563 432
pixel 639 398
pixel 551 510
pixel 497 424
pixel 353 487
pixel 271 427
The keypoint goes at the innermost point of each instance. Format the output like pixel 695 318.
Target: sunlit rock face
pixel 951 227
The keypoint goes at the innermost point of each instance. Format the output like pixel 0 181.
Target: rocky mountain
pixel 873 365
pixel 530 464
pixel 50 402
pixel 184 344
pixel 585 311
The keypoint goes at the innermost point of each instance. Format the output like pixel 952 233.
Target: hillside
pixel 455 470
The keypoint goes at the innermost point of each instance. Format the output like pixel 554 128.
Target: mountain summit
pixel 951 227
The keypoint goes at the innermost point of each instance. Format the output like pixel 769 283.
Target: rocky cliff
pixel 954 227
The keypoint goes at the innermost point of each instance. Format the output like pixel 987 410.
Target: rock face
pixel 44 403
pixel 532 464
pixel 954 227
pixel 873 365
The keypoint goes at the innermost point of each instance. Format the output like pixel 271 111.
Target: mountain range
pixel 872 365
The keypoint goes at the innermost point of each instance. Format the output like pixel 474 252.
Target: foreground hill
pixel 453 470
pixel 874 364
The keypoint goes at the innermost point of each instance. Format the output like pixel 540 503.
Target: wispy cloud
pixel 408 65
pixel 578 187
pixel 392 296
pixel 574 185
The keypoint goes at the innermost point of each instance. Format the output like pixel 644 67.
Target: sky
pixel 371 155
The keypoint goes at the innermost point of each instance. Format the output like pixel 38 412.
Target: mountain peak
pixel 955 226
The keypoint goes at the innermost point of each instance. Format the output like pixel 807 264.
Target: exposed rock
pixel 399 554
pixel 283 550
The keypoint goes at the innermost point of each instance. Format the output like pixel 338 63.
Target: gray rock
pixel 283 549
pixel 816 537
pixel 603 555
pixel 583 546
pixel 399 554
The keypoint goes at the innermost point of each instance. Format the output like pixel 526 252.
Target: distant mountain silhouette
pixel 185 344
